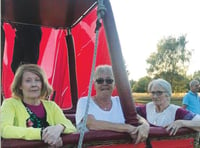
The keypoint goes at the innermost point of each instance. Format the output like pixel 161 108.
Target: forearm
pixel 184 106
pixel 60 119
pixel 104 125
pixel 21 133
pixel 195 125
pixel 141 120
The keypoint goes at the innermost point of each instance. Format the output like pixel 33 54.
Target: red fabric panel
pixel 140 145
pixel 84 38
pixel 179 143
pixel 7 75
pixel 53 58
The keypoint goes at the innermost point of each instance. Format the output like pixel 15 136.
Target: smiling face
pixel 104 82
pixel 31 86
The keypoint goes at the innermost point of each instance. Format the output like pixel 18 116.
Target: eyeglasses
pixel 101 81
pixel 157 93
pixel 196 85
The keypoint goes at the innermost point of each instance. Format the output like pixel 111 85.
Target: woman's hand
pixel 174 127
pixel 143 132
pixel 140 133
pixel 59 143
pixel 51 134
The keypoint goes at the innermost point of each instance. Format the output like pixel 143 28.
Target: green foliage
pixel 141 85
pixel 170 62
pixel 132 82
pixel 171 56
pixel 197 75
pixel 179 82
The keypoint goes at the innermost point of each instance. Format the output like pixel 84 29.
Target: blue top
pixel 192 102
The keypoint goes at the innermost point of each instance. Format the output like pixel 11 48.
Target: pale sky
pixel 142 23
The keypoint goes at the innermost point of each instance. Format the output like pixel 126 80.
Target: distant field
pixel 144 98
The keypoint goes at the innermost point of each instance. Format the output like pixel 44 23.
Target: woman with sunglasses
pixel 160 112
pixel 105 111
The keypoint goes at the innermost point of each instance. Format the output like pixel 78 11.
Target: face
pixel 31 85
pixel 195 87
pixel 104 84
pixel 159 96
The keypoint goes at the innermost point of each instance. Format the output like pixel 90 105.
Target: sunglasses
pixel 157 93
pixel 101 81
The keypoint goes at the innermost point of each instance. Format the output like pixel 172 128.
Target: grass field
pixel 144 98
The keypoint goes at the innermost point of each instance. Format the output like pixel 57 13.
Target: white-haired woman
pixel 105 111
pixel 160 112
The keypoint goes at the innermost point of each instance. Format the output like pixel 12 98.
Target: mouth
pixel 103 89
pixel 34 90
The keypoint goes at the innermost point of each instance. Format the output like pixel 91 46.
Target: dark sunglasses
pixel 157 93
pixel 101 81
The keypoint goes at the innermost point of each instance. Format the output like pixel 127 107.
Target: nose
pixel 34 83
pixel 104 82
pixel 154 95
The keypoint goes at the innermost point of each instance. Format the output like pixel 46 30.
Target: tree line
pixel 170 62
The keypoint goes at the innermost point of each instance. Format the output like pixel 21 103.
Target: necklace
pixel 103 106
pixel 106 108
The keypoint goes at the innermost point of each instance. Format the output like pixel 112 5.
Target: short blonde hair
pixel 17 82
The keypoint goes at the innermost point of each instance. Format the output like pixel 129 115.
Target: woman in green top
pixel 29 114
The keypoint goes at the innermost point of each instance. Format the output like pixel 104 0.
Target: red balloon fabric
pixel 53 58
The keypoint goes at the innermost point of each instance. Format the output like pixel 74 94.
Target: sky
pixel 141 24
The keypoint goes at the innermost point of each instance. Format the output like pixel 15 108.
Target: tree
pixel 141 85
pixel 196 75
pixel 180 82
pixel 171 60
pixel 132 82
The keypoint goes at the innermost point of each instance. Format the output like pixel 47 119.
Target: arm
pixel 184 106
pixel 13 118
pixel 140 133
pixel 184 118
pixel 59 124
pixel 142 129
pixel 195 125
pixel 94 124
pixel 51 135
pixel 185 102
pixel 174 127
pixel 60 119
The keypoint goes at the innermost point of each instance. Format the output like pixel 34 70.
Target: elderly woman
pixel 105 111
pixel 160 112
pixel 28 114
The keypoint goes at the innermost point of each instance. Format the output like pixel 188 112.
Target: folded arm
pixel 140 133
pixel 176 125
